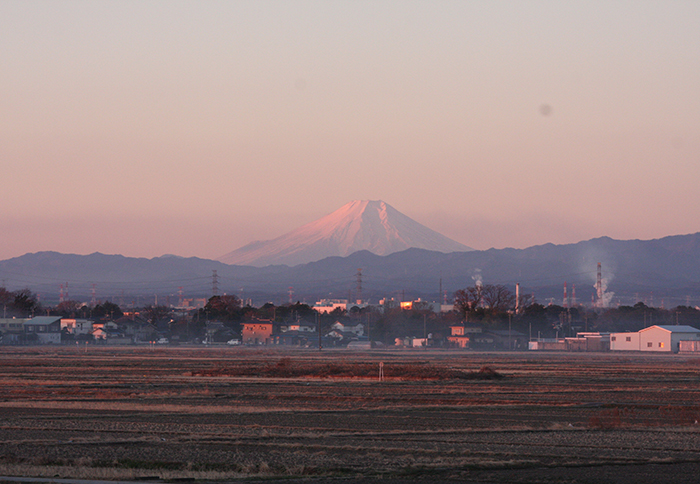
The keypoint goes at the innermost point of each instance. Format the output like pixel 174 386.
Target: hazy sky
pixel 192 128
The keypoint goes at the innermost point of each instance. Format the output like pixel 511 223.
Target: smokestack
pixel 573 295
pixel 599 287
pixel 566 297
pixel 517 297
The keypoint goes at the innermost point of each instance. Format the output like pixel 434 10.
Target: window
pixel 661 345
pixel 628 338
pixel 613 338
pixel 650 344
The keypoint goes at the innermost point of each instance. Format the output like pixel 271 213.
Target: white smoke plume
pixel 607 296
pixel 476 277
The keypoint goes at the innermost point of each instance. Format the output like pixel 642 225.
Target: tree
pixel 67 309
pixel 107 308
pixel 156 313
pixel 295 311
pixel 497 298
pixel 25 303
pixel 468 300
pixel 224 308
pixel 491 299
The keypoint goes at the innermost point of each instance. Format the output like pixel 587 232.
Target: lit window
pixel 661 345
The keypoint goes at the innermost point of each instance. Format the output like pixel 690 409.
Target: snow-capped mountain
pixel 369 225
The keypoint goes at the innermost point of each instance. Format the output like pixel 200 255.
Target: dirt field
pixel 299 416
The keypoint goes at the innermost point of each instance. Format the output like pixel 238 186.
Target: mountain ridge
pixel 371 225
pixel 667 268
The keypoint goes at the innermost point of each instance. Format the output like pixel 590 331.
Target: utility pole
pixel 510 316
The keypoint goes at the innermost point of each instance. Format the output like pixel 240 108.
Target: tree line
pixel 489 306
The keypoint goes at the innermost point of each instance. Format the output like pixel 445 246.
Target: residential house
pixel 257 332
pixel 500 339
pixel 12 330
pixel 76 326
pixel 358 329
pixel 107 331
pixel 210 329
pixel 43 330
pixel 330 305
pixel 337 337
pixel 296 333
pixel 298 325
pixel 137 329
pixel 459 335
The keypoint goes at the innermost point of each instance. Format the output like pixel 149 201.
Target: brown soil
pixel 243 413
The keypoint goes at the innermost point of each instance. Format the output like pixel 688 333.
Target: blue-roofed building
pixel 46 328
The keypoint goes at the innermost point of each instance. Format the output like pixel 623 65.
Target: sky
pixel 192 128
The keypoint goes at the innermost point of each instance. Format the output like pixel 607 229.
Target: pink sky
pixel 193 128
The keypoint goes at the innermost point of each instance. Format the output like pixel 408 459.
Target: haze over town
pixel 192 128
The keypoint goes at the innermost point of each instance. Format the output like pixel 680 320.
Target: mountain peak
pixel 371 225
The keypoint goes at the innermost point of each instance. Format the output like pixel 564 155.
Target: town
pixel 482 317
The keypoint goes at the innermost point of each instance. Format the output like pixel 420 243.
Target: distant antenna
pixel 573 295
pixel 66 294
pixel 566 297
pixel 291 295
pixel 599 286
pixel 214 283
pixel 359 286
pixel 517 297
pixel 60 294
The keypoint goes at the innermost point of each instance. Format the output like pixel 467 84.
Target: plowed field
pixel 249 414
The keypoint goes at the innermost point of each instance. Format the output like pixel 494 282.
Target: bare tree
pixel 488 297
pixel 498 298
pixel 468 299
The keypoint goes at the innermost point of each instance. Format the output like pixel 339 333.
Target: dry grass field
pixel 245 414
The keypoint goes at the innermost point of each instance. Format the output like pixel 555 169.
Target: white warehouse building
pixel 654 338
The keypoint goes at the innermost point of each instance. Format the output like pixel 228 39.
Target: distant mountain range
pixel 369 225
pixel 662 271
